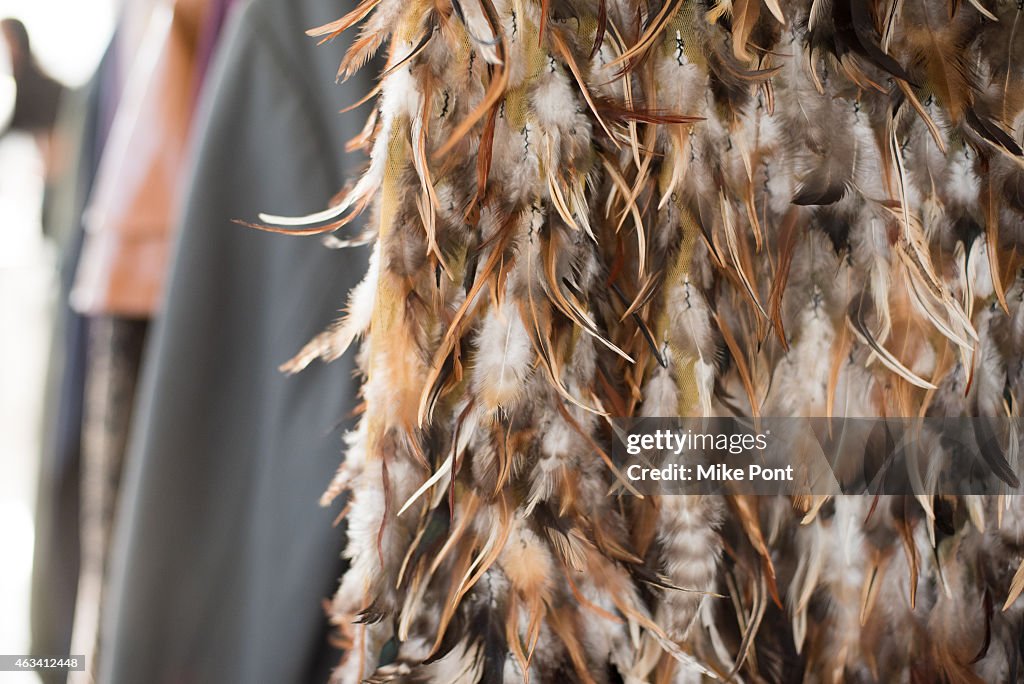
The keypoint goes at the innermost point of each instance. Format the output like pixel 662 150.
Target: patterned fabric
pixel 114 358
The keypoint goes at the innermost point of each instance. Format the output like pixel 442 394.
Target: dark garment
pixel 36 100
pixel 56 555
pixel 114 357
pixel 55 561
pixel 221 556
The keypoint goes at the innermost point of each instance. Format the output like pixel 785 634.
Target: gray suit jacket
pixel 222 557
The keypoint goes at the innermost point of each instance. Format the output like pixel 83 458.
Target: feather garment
pixel 586 209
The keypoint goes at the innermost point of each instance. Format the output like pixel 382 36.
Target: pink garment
pixel 130 217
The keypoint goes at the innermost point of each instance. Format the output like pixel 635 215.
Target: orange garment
pixel 130 217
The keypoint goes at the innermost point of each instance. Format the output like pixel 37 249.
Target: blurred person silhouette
pixel 37 106
pixel 38 96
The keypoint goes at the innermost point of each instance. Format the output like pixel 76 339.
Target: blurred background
pixel 159 476
pixel 68 38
